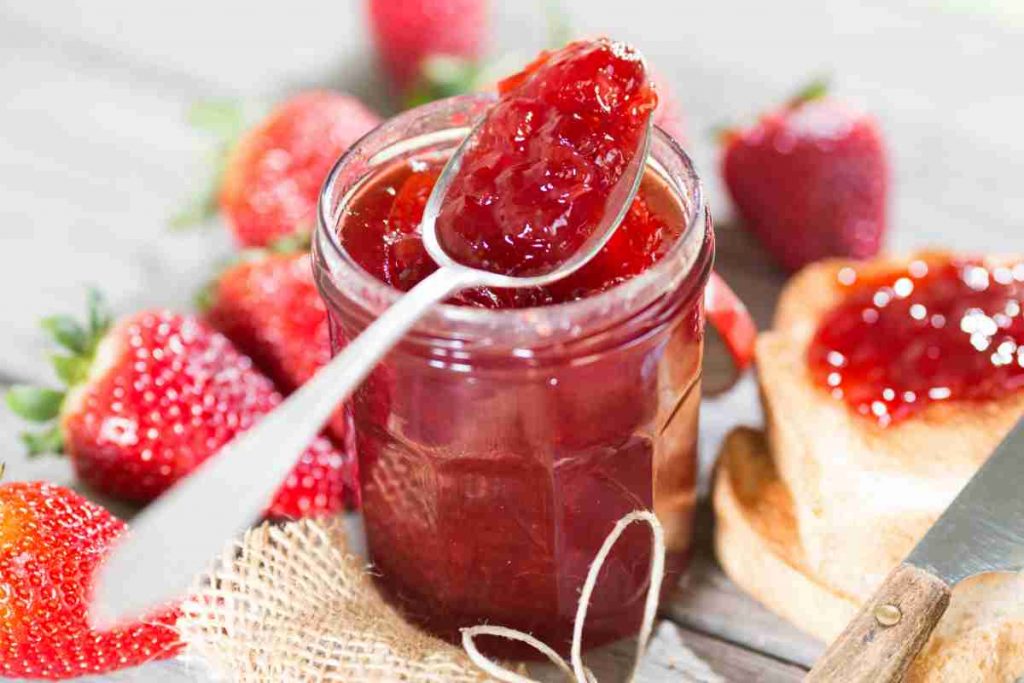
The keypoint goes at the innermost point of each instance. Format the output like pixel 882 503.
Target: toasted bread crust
pixel 757 544
pixel 863 494
pixel 981 637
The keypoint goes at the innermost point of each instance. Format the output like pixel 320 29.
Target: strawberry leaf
pixel 203 299
pixel 80 340
pixel 443 76
pixel 66 331
pixel 46 441
pixel 290 244
pixel 71 370
pixel 35 404
pixel 200 208
pixel 99 315
pixel 814 90
pixel 221 118
pixel 225 121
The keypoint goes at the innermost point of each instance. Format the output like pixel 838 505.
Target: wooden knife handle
pixel 880 643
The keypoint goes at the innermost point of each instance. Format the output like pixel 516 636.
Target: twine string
pixel 575 670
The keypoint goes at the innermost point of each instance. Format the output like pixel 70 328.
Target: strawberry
pixel 269 306
pixel 271 174
pixel 316 486
pixel 409 32
pixel 810 180
pixel 51 541
pixel 152 396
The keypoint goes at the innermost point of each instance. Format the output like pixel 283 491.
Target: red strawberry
pixel 810 180
pixel 408 32
pixel 270 308
pixel 51 541
pixel 268 305
pixel 316 486
pixel 272 175
pixel 153 396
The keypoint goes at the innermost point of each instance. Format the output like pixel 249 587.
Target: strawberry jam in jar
pixel 501 440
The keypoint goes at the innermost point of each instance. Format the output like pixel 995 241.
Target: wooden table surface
pixel 95 156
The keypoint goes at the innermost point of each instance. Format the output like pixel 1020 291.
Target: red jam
pixel 490 475
pixel 489 480
pixel 940 330
pixel 488 485
pixel 534 187
pixel 381 232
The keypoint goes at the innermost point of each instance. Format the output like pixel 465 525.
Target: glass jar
pixel 497 449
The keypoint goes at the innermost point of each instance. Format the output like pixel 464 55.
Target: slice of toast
pixel 863 494
pixel 981 637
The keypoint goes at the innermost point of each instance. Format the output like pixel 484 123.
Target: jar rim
pixel 337 269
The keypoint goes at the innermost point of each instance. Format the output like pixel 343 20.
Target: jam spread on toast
pixel 938 330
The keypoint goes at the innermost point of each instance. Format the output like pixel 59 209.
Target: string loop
pixel 575 670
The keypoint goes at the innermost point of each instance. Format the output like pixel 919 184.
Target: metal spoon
pixel 174 539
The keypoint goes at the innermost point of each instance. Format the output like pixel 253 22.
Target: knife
pixel 981 531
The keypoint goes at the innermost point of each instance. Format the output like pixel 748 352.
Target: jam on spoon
pixel 938 330
pixel 533 188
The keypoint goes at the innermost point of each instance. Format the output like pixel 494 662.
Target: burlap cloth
pixel 291 603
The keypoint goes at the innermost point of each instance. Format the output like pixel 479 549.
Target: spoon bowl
pixel 616 207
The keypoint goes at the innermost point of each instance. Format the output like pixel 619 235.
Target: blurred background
pixel 96 155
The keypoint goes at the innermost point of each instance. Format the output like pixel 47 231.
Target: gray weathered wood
pixel 679 654
pixel 739 664
pixel 710 603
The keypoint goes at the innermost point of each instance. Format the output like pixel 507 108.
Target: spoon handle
pixel 174 539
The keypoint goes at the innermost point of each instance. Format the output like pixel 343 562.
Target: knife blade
pixel 983 528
